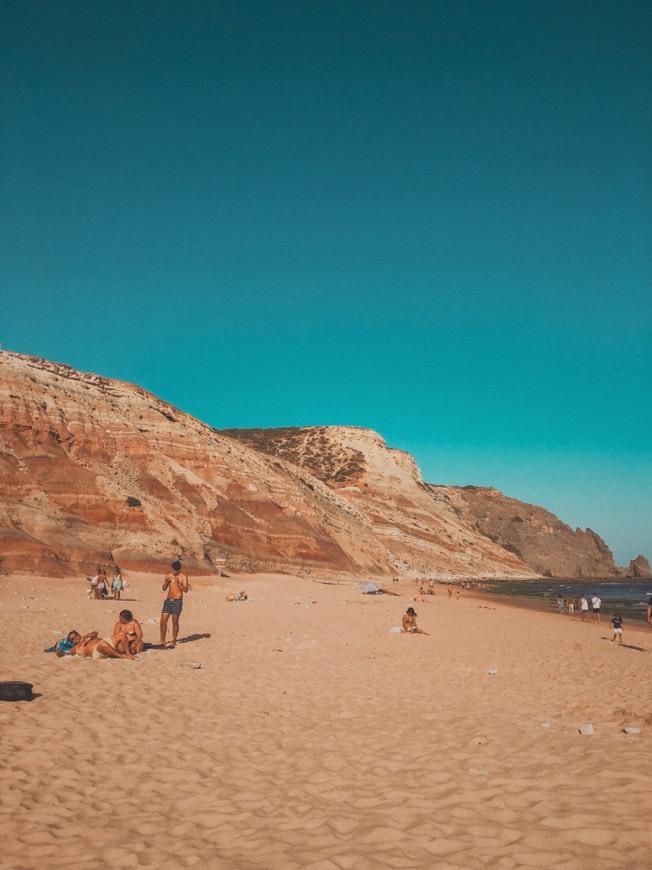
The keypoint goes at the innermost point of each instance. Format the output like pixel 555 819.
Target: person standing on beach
pixel 617 623
pixel 571 606
pixel 649 610
pixel 116 585
pixel 584 608
pixel 560 604
pixel 102 585
pixel 595 604
pixel 175 584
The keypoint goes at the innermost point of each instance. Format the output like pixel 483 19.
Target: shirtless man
pixel 93 647
pixel 176 584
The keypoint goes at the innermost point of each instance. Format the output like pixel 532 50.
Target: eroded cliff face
pixel 537 536
pixel 414 517
pixel 94 470
pixel 386 486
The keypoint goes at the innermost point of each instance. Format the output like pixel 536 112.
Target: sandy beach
pixel 314 737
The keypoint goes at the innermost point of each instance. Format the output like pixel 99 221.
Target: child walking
pixel 617 623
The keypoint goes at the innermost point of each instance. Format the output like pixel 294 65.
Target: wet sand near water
pixel 314 737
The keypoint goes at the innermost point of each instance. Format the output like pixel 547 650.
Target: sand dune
pixel 314 737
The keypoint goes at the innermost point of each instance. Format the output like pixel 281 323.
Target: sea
pixel 631 597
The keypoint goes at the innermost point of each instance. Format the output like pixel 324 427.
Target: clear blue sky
pixel 428 218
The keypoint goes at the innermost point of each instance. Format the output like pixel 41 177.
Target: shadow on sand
pixel 190 639
pixel 626 645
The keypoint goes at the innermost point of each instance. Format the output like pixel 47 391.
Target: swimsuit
pixel 96 654
pixel 172 605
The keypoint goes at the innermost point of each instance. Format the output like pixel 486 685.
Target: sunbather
pixel 127 633
pixel 92 646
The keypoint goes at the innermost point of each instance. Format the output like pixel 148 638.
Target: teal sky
pixel 431 219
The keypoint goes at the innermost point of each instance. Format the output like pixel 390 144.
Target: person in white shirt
pixel 595 604
pixel 584 608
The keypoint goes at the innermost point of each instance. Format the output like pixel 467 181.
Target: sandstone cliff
pixel 94 470
pixel 544 542
pixel 387 485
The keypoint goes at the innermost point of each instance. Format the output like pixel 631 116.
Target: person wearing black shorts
pixel 175 585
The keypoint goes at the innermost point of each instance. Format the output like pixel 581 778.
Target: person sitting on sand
pixel 241 596
pixel 127 634
pixel 93 647
pixel 176 584
pixel 410 623
pixel 617 623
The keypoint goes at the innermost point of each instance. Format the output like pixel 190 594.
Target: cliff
pixel 538 537
pixel 96 470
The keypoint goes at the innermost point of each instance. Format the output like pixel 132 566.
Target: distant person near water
pixel 595 604
pixel 410 623
pixel 571 606
pixel 175 584
pixel 560 604
pixel 584 608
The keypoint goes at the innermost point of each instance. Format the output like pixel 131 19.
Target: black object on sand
pixel 15 690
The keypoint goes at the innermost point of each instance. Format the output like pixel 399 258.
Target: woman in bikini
pixel 127 634
pixel 410 623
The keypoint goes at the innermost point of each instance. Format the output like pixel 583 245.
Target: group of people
pixel 595 609
pixel 101 588
pixel 126 640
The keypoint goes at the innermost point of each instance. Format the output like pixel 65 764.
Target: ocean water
pixel 629 596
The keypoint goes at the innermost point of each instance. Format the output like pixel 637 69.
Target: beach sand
pixel 314 737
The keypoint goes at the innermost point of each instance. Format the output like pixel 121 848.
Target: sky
pixel 431 219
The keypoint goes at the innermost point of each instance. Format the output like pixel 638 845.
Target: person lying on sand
pixel 93 647
pixel 127 633
pixel 410 623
